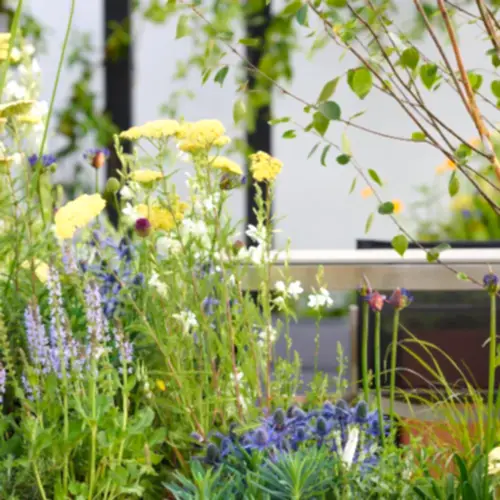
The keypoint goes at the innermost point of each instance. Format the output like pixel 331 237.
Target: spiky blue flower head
pixel 490 282
pixel 46 160
pixel 400 298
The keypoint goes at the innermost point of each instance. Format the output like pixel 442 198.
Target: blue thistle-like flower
pixel 47 160
pixel 490 282
pixel 400 298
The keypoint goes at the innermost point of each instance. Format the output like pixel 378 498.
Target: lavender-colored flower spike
pixel 3 382
pixel 31 392
pixel 38 342
pixel 97 324
pixel 69 260
pixel 125 350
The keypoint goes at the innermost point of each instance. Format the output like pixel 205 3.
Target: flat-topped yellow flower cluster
pixel 163 218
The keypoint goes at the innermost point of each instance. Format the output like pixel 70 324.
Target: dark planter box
pixel 456 322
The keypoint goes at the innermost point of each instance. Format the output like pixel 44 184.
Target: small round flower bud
pixel 279 418
pixel 361 411
pixel 261 437
pixel 113 185
pixel 400 298
pixel 97 157
pixel 376 301
pixel 143 227
pixel 490 282
pixel 237 246
pixel 321 427
pixel 212 454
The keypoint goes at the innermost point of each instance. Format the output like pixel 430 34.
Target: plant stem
pixel 39 482
pixel 491 422
pixel 364 348
pixel 93 425
pixel 392 388
pixel 51 106
pixel 316 343
pixel 13 34
pixel 378 387
pixel 66 435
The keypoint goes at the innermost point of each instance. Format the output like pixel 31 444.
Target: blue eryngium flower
pixel 46 160
pixel 400 298
pixel 490 282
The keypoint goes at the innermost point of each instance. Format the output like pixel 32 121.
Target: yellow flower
pixel 146 176
pixel 264 167
pixel 202 135
pixel 162 217
pixel 475 142
pixel 446 166
pixel 5 163
pixel 77 214
pixel 29 119
pixel 225 164
pixel 15 108
pixel 461 202
pixel 398 206
pixel 157 129
pixel 494 461
pixel 366 192
pixel 161 385
pixel 41 269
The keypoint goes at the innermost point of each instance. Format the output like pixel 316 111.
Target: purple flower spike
pixel 376 301
pixel 490 282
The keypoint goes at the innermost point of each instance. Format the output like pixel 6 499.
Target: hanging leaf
pixel 375 177
pixel 345 144
pixel 323 155
pixel 462 276
pixel 410 58
pixel 360 81
pixel 289 134
pixel 276 121
pixel 353 185
pixel 429 75
pixel 313 150
pixel 343 159
pixel 301 15
pixel 320 123
pixel 182 27
pixel 369 223
pixel 418 137
pixel 453 185
pixel 400 244
pixel 434 253
pixel 239 111
pixel 475 80
pixel 495 88
pixel 330 110
pixel 386 208
pixel 250 42
pixel 328 90
pixel 220 76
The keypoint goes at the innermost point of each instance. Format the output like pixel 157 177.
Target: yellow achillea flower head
pixel 398 206
pixel 225 164
pixel 161 385
pixel 145 176
pixel 77 214
pixel 446 166
pixel 15 108
pixel 158 129
pixel 264 167
pixel 494 461
pixel 366 192
pixel 162 217
pixel 202 135
pixel 41 269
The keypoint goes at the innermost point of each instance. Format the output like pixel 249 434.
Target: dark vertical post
pixel 259 138
pixel 118 75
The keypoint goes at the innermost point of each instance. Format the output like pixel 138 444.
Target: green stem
pixel 378 387
pixel 92 395
pixel 316 343
pixel 51 106
pixel 13 34
pixel 66 435
pixel 491 421
pixel 395 329
pixel 39 482
pixel 364 349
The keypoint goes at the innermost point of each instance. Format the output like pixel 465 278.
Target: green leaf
pixel 330 109
pixel 292 8
pixel 360 81
pixel 301 15
pixel 495 88
pixel 453 185
pixel 433 253
pixel 386 208
pixel 375 177
pixel 250 42
pixel 220 76
pixel 475 80
pixel 410 58
pixel 429 74
pixel 400 244
pixel 418 137
pixel 313 150
pixel 182 27
pixel 276 121
pixel 353 185
pixel 324 153
pixel 239 111
pixel 289 134
pixel 343 159
pixel 495 60
pixel 345 144
pixel 320 123
pixel 336 3
pixel 369 223
pixel 328 90
pixel 462 276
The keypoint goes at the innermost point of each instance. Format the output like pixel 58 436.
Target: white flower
pixel 268 334
pixel 28 49
pixel 156 283
pixel 295 289
pixel 130 214
pixel 280 287
pixel 166 246
pixel 187 319
pixel 320 300
pixel 350 447
pixel 15 92
pixel 257 234
pixel 126 193
pixel 279 302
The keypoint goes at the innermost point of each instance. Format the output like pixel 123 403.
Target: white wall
pixel 319 213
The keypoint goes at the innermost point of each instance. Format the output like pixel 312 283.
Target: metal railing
pixel 385 270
